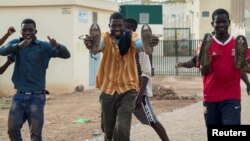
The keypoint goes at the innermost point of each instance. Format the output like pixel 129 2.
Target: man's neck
pixel 222 37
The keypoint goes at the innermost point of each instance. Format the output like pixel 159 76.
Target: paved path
pixel 184 124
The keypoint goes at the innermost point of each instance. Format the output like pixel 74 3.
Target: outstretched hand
pixel 154 40
pixel 53 42
pixel 178 65
pixel 88 41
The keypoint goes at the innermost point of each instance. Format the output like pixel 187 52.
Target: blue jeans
pixel 226 112
pixel 28 107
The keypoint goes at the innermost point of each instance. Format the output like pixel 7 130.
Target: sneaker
pixel 146 34
pixel 240 52
pixel 204 56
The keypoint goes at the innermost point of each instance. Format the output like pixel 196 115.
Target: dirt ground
pixel 62 109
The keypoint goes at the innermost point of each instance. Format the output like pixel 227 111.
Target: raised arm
pixel 61 51
pixel 10 47
pixel 188 64
pixel 10 31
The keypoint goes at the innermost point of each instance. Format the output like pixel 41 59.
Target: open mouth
pixel 28 37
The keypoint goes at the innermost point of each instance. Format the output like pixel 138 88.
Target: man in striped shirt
pixel 117 78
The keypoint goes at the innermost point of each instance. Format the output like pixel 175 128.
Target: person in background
pixel 143 109
pixel 10 59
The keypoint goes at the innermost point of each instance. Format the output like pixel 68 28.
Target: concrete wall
pixel 210 6
pixel 174 15
pixel 81 54
pixel 237 17
pixel 247 21
pixel 59 19
pixel 182 15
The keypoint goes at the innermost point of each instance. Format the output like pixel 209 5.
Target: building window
pixel 144 18
pixel 205 14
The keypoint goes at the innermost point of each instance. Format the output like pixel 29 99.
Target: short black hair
pixel 220 12
pixel 132 21
pixel 29 21
pixel 116 15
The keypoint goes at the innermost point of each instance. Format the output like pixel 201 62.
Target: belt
pixel 34 92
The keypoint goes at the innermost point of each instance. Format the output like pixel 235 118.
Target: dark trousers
pixel 116 117
pixel 226 112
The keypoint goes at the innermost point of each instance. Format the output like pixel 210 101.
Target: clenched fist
pixel 11 30
pixel 24 43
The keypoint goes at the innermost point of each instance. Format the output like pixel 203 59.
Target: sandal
pixel 146 34
pixel 240 52
pixel 204 56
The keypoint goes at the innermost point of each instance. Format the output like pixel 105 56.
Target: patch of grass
pixel 5 105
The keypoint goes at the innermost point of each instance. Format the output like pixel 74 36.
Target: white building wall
pixel 81 54
pixel 247 24
pixel 59 28
pixel 182 15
